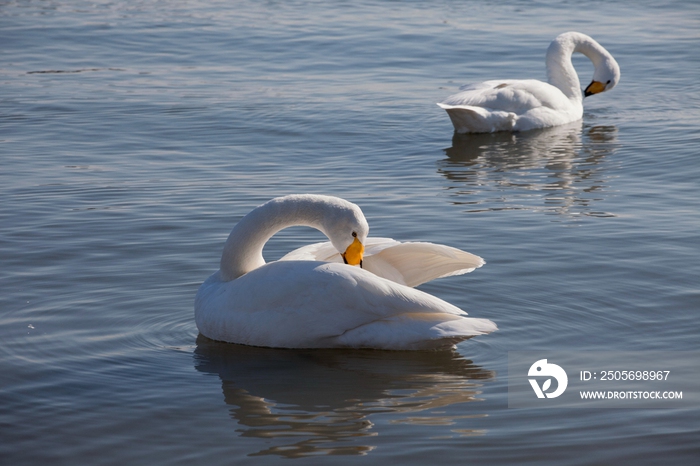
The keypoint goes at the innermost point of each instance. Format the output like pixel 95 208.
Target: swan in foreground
pixel 521 105
pixel 351 292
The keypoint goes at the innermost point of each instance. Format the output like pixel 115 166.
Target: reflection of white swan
pixel 313 303
pixel 304 403
pixel 520 105
pixel 562 170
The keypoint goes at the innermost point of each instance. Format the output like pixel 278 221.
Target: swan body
pixel 521 105
pixel 311 299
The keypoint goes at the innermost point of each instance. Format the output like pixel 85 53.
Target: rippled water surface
pixel 133 136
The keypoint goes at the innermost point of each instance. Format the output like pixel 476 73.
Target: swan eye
pixel 354 235
pixel 608 82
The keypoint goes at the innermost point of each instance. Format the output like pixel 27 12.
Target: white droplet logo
pixel 543 369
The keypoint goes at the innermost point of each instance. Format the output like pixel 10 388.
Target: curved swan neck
pixel 561 72
pixel 243 249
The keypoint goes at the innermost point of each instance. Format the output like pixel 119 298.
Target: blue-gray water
pixel 133 135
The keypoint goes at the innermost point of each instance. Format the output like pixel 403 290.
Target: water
pixel 134 135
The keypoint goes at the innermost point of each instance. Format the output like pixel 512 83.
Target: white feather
pixel 409 264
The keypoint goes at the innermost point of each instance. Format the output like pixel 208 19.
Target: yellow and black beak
pixel 594 87
pixel 353 254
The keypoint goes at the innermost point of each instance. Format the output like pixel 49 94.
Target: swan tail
pixel 415 331
pixel 469 119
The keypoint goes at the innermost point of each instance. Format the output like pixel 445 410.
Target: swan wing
pixel 515 96
pixel 408 264
pixel 417 263
pixel 326 252
pixel 309 304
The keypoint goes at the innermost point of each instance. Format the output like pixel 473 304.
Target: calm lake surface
pixel 134 135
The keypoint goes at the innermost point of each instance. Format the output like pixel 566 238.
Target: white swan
pixel 308 299
pixel 521 105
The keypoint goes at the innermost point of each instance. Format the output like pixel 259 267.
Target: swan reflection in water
pixel 322 402
pixel 560 170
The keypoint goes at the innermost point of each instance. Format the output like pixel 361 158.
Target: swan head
pixel 353 254
pixel 606 75
pixel 345 225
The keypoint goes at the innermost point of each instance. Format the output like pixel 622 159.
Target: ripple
pixel 315 402
pixel 560 170
pixel 84 70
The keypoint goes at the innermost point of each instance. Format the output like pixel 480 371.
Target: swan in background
pixel 349 292
pixel 521 105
